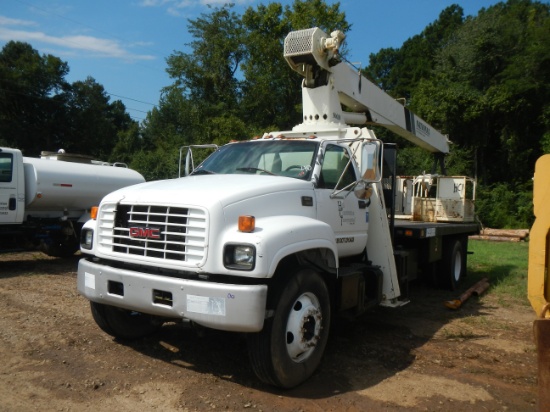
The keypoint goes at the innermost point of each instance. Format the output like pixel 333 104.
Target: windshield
pixel 274 157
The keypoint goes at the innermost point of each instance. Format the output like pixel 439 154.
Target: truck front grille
pixel 158 232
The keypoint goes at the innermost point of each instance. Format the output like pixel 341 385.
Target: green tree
pixel 128 143
pixel 208 73
pixel 235 82
pixel 208 76
pixel 398 71
pixel 267 96
pixel 31 98
pixel 202 104
pixel 271 94
pixel 506 205
pixel 382 68
pixel 491 86
pixel 489 90
pixel 93 123
pixel 40 110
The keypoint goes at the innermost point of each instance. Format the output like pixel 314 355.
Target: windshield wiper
pixel 203 172
pixel 254 169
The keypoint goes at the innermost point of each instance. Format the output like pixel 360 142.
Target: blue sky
pixel 123 44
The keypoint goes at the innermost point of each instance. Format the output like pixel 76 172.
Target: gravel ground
pixel 421 357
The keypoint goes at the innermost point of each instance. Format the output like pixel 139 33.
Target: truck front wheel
pixel 290 347
pixel 122 323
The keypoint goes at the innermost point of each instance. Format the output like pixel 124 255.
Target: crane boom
pixel 331 84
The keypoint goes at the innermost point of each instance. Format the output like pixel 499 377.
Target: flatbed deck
pixel 420 230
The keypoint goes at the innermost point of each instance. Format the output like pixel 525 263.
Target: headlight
pixel 240 257
pixel 86 238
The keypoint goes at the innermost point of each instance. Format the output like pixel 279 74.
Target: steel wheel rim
pixel 303 329
pixel 457 266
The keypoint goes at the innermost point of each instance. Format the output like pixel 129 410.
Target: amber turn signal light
pixel 247 224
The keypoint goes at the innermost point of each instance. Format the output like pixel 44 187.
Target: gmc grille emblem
pixel 144 233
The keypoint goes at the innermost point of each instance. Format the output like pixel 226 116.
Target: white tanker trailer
pixel 45 201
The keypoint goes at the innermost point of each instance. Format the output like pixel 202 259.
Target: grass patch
pixel 485 322
pixel 505 265
pixel 460 335
pixel 477 321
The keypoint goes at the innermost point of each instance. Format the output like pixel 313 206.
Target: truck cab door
pixel 11 187
pixel 342 210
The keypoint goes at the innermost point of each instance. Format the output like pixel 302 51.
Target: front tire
pixel 122 323
pixel 289 348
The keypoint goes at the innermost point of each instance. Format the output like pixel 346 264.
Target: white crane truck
pixel 274 236
pixel 45 201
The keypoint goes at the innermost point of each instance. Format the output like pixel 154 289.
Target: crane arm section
pixel 330 85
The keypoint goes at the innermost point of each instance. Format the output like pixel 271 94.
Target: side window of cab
pixel 334 165
pixel 6 167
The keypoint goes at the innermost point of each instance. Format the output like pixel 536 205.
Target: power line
pixel 99 31
pixel 106 92
pixel 136 110
pixel 49 98
pixel 129 98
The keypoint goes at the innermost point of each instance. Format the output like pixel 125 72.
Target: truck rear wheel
pixel 453 267
pixel 59 249
pixel 122 323
pixel 62 242
pixel 289 348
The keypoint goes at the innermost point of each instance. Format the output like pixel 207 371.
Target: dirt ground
pixel 421 357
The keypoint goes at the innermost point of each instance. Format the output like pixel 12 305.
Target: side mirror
pixel 371 161
pixel 363 191
pixel 189 164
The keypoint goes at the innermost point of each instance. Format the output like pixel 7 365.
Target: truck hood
pixel 205 190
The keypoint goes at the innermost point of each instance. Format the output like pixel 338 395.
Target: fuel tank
pixel 53 185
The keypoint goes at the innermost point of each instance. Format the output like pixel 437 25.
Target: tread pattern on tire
pixel 118 323
pixel 264 357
